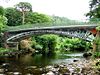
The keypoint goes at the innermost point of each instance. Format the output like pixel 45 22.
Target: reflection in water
pixel 39 60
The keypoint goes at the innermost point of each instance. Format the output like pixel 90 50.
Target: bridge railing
pixel 40 25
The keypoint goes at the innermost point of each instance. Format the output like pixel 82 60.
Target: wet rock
pixel 17 73
pixel 9 73
pixel 5 65
pixel 50 73
pixel 75 60
pixel 29 74
pixel 64 70
pixel 2 74
pixel 87 71
pixel 48 68
pixel 55 70
pixel 56 66
pixel 14 73
pixel 34 70
pixel 1 70
pixel 97 63
pixel 78 70
pixel 43 74
pixel 32 67
pixel 87 55
pixel 61 66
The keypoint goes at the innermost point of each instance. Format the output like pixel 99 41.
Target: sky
pixel 72 9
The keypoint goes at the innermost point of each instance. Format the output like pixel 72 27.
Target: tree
pixel 34 17
pixel 63 20
pixel 1 11
pixel 15 19
pixel 48 43
pixel 13 16
pixel 23 7
pixel 94 12
pixel 3 22
pixel 3 19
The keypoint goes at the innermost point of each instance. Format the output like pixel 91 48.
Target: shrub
pixel 96 55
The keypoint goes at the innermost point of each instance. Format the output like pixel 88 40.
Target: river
pixel 36 61
pixel 39 60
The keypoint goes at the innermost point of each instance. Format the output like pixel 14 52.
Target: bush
pixel 96 55
pixel 4 51
pixel 49 43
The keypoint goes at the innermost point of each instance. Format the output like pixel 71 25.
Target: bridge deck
pixel 16 28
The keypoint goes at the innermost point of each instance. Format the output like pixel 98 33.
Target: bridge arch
pixel 85 35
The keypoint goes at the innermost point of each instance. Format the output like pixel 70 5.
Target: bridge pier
pixel 12 45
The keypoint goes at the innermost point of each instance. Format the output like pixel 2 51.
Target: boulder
pixel 26 45
pixel 87 55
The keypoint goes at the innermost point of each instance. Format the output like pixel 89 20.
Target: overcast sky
pixel 72 9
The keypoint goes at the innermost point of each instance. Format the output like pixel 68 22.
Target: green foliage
pixel 3 19
pixel 50 43
pixel 98 28
pixel 97 41
pixel 94 13
pixel 3 22
pixel 1 10
pixel 4 51
pixel 34 17
pixel 13 16
pixel 65 21
pixel 24 6
pixel 76 44
pixel 96 55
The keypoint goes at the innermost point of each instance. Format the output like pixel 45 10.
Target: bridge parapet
pixel 36 27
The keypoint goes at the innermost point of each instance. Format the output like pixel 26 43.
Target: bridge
pixel 85 32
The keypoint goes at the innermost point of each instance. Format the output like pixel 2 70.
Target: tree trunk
pixel 96 43
pixel 23 17
pixel 94 47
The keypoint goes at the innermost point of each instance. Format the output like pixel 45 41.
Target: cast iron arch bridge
pixel 85 32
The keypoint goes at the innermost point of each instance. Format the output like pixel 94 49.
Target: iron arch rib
pixel 78 34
